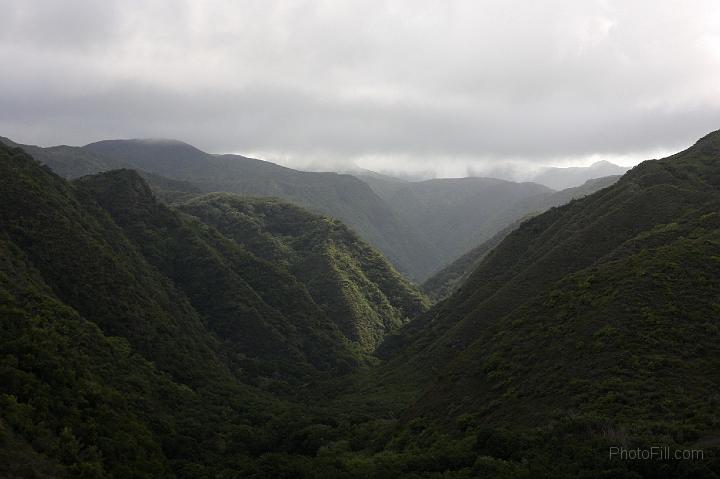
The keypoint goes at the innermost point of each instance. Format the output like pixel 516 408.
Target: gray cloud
pixel 404 82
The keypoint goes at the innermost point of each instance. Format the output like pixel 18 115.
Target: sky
pixel 445 87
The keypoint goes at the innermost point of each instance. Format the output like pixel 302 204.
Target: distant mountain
pixel 454 214
pixel 68 161
pixel 452 276
pixel 592 324
pixel 562 178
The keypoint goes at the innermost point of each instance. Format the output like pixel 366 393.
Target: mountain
pixel 256 309
pixel 139 341
pixel 445 281
pixel 347 278
pixel 68 161
pixel 594 324
pixel 406 220
pixel 103 359
pixel 340 196
pixel 472 209
pixel 561 178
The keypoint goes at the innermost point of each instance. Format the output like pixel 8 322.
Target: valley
pixel 170 313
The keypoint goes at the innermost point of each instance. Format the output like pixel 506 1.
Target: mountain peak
pixel 603 163
pixel 150 143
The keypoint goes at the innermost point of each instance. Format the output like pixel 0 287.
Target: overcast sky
pixel 453 86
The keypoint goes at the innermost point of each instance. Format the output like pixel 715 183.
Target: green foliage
pixel 353 284
pixel 265 318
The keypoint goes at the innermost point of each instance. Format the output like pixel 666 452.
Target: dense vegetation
pixel 601 314
pixel 139 342
pixel 224 337
pixel 353 284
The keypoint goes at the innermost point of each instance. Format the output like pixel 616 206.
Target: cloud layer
pixel 419 83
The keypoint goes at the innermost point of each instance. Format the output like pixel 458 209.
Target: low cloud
pixel 450 86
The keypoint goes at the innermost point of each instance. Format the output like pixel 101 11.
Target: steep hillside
pixel 353 283
pixel 137 341
pixel 445 281
pixel 266 320
pixel 340 196
pixel 606 306
pixel 107 370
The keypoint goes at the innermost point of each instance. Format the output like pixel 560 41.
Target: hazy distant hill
pixel 453 275
pixel 454 214
pixel 561 178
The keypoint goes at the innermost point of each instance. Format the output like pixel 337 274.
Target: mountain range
pixel 406 221
pixel 574 176
pixel 210 334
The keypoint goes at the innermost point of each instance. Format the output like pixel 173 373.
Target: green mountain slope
pixel 340 196
pixel 606 306
pixel 445 281
pixel 266 319
pixel 137 341
pixel 107 369
pixel 353 283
